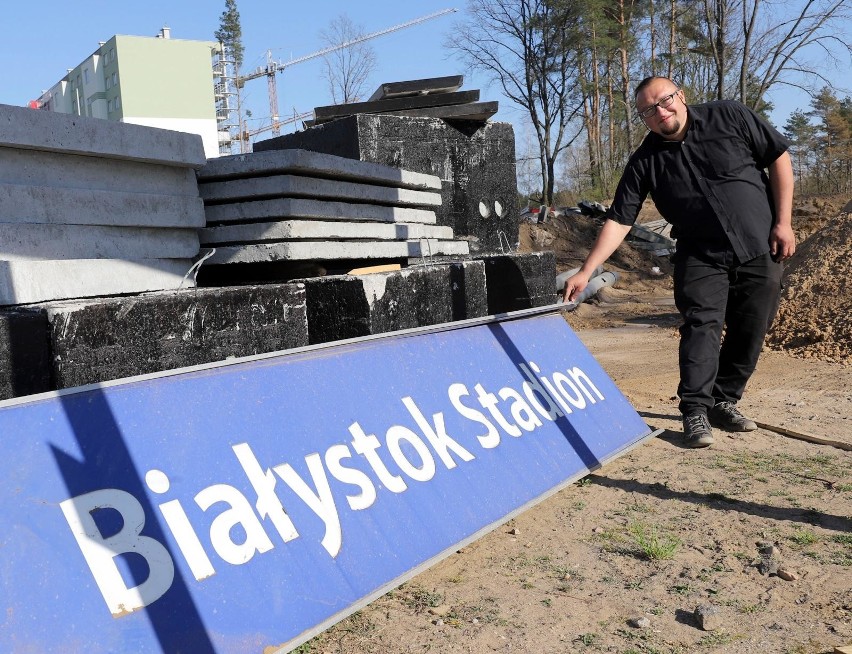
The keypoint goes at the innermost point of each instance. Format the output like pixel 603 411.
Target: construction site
pixel 170 320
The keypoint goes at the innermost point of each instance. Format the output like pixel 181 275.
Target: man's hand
pixel 574 285
pixel 609 238
pixel 782 242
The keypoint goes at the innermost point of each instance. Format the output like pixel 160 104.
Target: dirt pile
pixel 815 318
pixel 571 237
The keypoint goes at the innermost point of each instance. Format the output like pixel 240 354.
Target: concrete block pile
pixel 475 162
pixel 295 205
pixel 91 207
pixel 101 222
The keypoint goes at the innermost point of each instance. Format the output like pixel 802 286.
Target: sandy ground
pixel 757 529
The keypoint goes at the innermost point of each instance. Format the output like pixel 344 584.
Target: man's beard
pixel 668 129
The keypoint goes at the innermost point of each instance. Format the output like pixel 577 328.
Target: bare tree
pixel 346 69
pixel 524 45
pixel 775 50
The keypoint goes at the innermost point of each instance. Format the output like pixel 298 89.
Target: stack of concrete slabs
pixel 92 207
pixel 414 89
pixel 296 205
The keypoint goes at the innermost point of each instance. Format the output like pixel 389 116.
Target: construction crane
pixel 273 67
pixel 249 133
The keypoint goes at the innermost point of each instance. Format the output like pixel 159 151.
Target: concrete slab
pixel 259 188
pixel 27 241
pixel 346 306
pixel 26 282
pixel 36 168
pixel 68 206
pixel 310 229
pixel 519 281
pixel 325 114
pixel 314 164
pixel 111 338
pixel 446 84
pixel 332 250
pixel 281 208
pixel 25 128
pixel 24 356
pixel 476 163
pixel 472 111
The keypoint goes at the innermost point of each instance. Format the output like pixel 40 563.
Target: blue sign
pixel 250 504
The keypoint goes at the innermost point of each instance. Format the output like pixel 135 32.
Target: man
pixel 704 167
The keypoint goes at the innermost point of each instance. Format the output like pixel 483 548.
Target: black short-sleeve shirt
pixel 712 186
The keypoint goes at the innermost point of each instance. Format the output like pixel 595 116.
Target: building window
pixel 117 104
pixel 108 83
pixel 115 79
pixel 111 55
pixel 86 75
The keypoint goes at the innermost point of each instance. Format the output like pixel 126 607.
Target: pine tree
pixel 230 33
pixel 802 136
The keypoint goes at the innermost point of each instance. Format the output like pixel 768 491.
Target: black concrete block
pixel 110 338
pixel 468 289
pixel 24 356
pixel 475 161
pixel 519 281
pixel 347 306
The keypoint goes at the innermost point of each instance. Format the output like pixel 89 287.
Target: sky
pixel 46 38
pixel 50 37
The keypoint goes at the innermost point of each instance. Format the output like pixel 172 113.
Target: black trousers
pixel 714 291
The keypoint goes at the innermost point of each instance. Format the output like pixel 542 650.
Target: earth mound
pixel 815 317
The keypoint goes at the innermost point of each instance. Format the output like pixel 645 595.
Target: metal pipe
pixel 596 283
pixel 561 277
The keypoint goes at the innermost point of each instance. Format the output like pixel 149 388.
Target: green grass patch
pixel 419 599
pixel 588 640
pixel 654 544
pixel 716 638
pixel 804 537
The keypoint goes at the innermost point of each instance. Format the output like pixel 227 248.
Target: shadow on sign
pixel 586 455
pixel 106 466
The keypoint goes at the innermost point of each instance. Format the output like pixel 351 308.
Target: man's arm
pixel 782 240
pixel 610 237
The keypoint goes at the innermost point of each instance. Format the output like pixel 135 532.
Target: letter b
pixel 100 552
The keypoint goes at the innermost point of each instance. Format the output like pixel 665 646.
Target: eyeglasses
pixel 665 103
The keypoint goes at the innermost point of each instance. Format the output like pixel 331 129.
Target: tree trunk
pixel 672 39
pixel 653 37
pixel 748 30
pixel 624 24
pixel 596 112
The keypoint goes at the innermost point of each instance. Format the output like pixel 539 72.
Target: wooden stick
pixel 805 437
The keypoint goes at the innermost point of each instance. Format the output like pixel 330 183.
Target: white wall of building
pixel 206 128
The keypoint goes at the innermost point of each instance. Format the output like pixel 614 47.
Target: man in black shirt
pixel 705 166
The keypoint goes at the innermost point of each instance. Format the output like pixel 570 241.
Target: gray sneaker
pixel 696 430
pixel 726 415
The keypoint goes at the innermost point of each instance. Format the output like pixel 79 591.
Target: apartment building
pixel 154 81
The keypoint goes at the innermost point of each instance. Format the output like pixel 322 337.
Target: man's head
pixel 662 106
